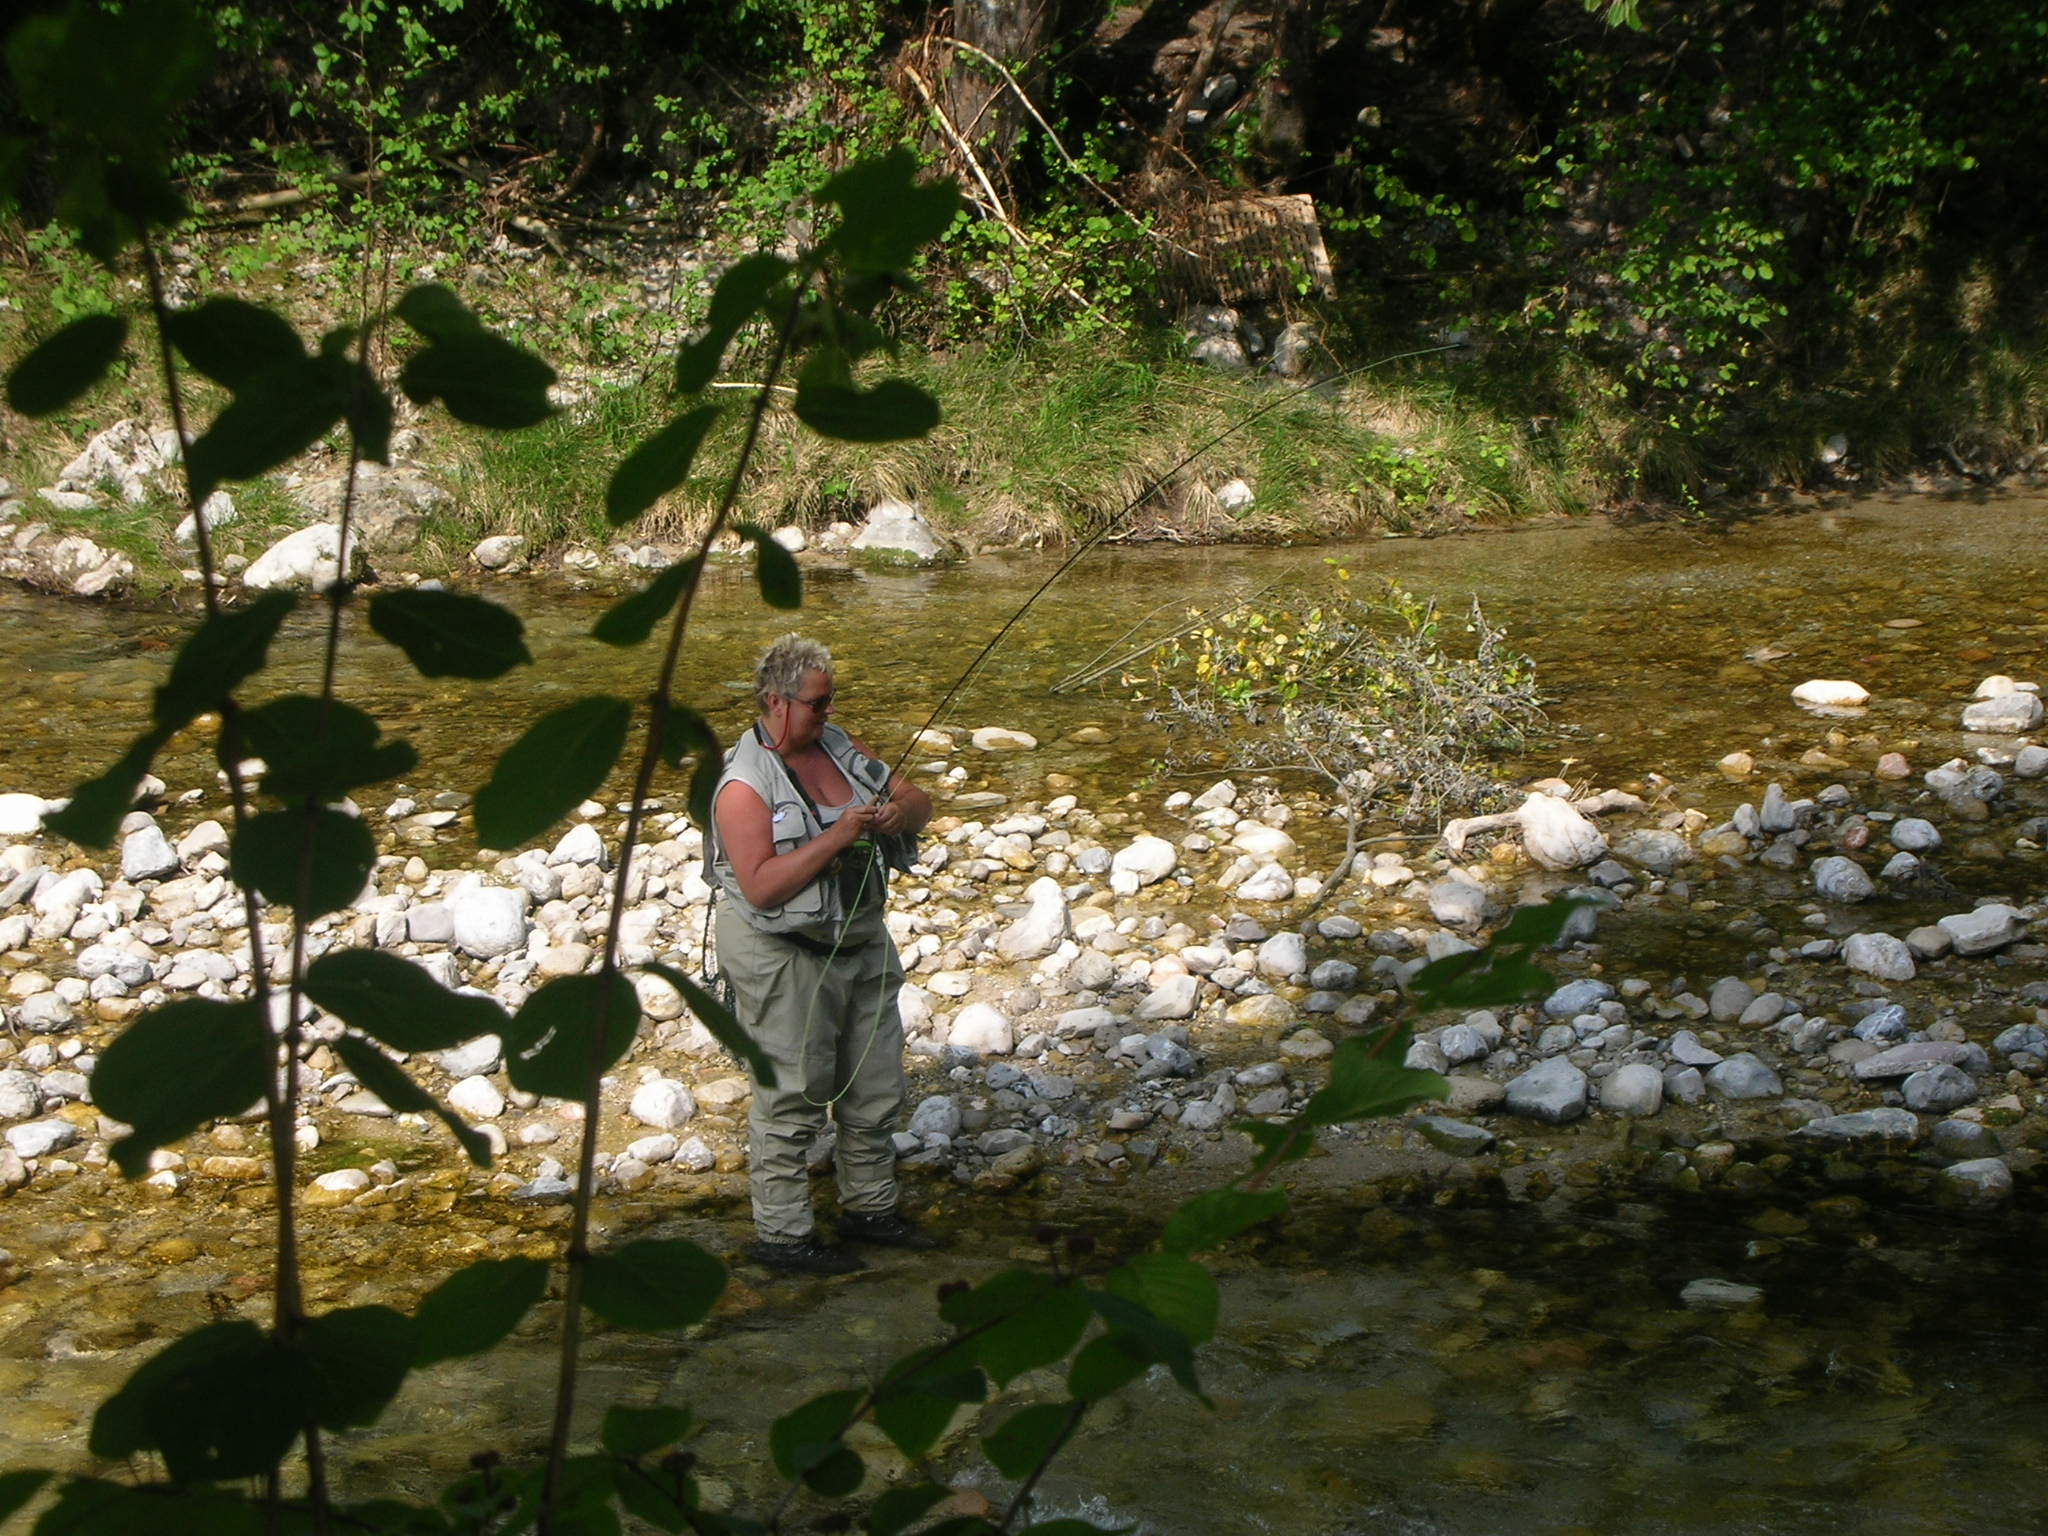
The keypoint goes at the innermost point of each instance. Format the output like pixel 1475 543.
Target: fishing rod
pixel 1111 523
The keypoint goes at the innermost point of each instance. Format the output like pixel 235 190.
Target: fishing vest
pixel 818 910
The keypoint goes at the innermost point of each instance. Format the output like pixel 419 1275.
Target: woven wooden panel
pixel 1252 250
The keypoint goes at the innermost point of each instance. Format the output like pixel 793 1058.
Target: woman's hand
pixel 889 817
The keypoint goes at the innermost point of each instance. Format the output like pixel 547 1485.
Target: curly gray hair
pixel 781 669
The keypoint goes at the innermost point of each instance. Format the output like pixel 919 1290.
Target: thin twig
pixel 999 213
pixel 1072 164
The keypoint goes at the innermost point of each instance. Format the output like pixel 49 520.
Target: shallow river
pixel 1469 1367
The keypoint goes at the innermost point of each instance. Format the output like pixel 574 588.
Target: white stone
pixel 1635 1088
pixel 1282 956
pixel 1269 882
pixel 39 1138
pixel 1879 955
pixel 1842 880
pixel 1261 841
pixel 488 920
pixel 791 538
pixel 1171 997
pixel 2006 715
pixel 581 844
pixel 20 815
pixel 1234 496
pixel 1990 927
pixel 1827 693
pixel 499 551
pixel 1556 836
pixel 895 527
pixel 982 1029
pixel 1552 1091
pixel 1041 929
pixel 308 558
pixel 663 1103
pixel 996 738
pixel 146 854
pixel 220 510
pixel 1145 860
pixel 478 1098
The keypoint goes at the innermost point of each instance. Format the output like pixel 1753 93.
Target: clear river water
pixel 1452 1367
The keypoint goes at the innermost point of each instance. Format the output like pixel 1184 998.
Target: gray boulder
pixel 1554 1092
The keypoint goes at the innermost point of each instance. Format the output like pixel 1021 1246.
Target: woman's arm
pixel 904 808
pixel 768 878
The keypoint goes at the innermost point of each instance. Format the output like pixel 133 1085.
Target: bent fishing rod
pixel 1111 524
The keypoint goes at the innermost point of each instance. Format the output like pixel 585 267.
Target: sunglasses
pixel 818 705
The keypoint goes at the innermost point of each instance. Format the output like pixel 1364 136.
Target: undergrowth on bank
pixel 226 1429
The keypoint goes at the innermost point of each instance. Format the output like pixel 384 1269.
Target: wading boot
pixel 802 1256
pixel 885 1229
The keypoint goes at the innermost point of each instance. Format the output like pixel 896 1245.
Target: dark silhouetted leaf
pixel 714 1016
pixel 737 299
pixel 112 78
pixel 436 313
pixel 1031 1320
pixel 1364 1086
pixel 1278 1144
pixel 1176 1290
pixel 685 731
pixel 632 619
pixel 279 413
pixel 914 1413
pixel 179 1066
pixel 782 583
pixel 1102 1367
pixel 810 1439
pixel 482 379
pixel 643 1431
pixel 85 1506
pixel 1135 1329
pixel 476 1308
pixel 232 341
pixel 886 212
pixel 657 466
pixel 17 1488
pixel 663 1499
pixel 1501 973
pixel 66 365
pixel 892 411
pixel 1027 1437
pixel 314 861
pixel 320 748
pixel 394 1000
pixel 655 1284
pixel 220 1402
pixel 897 1510
pixel 358 1359
pixel 97 806
pixel 450 634
pixel 218 657
pixel 561 760
pixel 551 1042
pixel 401 1095
pixel 1219 1215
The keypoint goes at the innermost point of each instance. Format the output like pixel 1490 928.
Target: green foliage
pixel 67 365
pixel 179 1066
pixel 475 1308
pixel 654 1284
pixel 563 759
pixel 450 634
pixel 569 1031
pixel 1362 694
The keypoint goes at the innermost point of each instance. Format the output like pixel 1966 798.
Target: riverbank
pixel 1040 447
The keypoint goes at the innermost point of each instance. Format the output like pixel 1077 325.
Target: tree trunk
pixel 983 108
